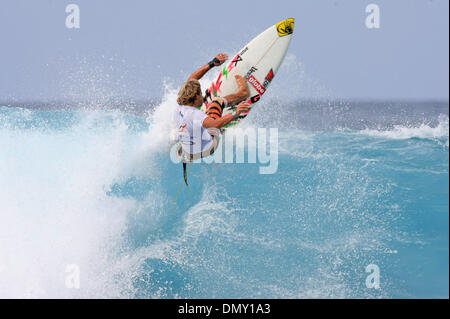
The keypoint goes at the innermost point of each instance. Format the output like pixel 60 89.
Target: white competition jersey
pixel 193 136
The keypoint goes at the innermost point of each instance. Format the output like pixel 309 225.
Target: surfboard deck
pixel 258 62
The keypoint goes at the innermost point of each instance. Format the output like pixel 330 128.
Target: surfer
pixel 199 132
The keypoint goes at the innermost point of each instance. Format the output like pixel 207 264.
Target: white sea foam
pixel 55 208
pixel 423 131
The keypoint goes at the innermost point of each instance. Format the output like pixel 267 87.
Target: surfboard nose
pixel 285 27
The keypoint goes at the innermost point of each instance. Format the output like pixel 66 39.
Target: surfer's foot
pixel 243 90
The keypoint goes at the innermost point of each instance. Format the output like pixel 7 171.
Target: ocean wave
pixel 96 188
pixel 423 131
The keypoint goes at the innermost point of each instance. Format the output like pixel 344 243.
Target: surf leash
pixel 185 175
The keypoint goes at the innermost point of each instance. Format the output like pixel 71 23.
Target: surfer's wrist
pixel 213 62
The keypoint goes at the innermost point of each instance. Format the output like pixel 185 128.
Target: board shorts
pixel 216 107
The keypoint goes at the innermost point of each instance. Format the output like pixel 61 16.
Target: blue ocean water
pixel 358 184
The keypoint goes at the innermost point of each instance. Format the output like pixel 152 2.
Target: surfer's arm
pixel 218 60
pixel 197 75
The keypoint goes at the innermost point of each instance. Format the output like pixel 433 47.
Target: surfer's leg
pixel 242 93
pixel 216 107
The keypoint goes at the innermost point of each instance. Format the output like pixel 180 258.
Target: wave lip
pixel 424 131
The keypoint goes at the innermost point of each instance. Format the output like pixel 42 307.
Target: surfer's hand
pixel 242 107
pixel 222 57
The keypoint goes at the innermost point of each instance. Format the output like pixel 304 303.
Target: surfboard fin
pixel 185 174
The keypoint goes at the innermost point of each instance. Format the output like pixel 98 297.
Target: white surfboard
pixel 258 61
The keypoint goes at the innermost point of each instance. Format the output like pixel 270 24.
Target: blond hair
pixel 188 92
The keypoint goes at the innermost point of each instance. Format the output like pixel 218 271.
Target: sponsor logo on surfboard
pixel 252 69
pixel 254 99
pixel 243 51
pixel 285 27
pixel 236 59
pixel 268 78
pixel 231 65
pixel 258 87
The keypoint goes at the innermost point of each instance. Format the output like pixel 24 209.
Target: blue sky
pixel 130 48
